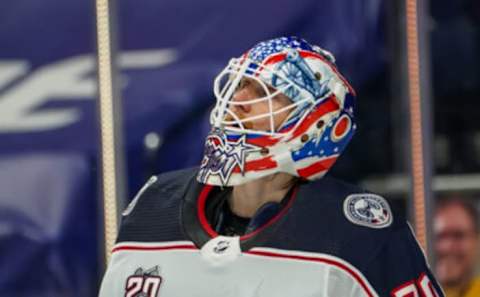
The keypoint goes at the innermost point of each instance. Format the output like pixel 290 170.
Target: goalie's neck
pixel 247 198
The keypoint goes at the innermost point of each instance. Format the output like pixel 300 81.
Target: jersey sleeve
pixel 399 268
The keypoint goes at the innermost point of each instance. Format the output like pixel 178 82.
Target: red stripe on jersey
pixel 409 288
pixel 154 248
pixel 276 217
pixel 206 226
pixel 202 199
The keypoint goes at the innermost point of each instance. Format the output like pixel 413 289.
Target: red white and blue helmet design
pixel 319 125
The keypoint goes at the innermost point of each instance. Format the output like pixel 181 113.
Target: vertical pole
pixel 420 116
pixel 112 164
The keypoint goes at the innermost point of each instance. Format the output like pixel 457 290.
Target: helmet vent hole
pixel 304 138
pixel 318 76
pixel 264 151
pixel 320 124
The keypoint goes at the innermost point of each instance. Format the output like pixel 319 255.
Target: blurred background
pixel 168 54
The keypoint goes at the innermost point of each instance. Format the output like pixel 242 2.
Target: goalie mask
pixel 281 107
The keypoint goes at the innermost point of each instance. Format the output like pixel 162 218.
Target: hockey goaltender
pixel 259 218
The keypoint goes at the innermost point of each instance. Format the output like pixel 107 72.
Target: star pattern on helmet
pixel 222 155
pixel 239 149
pixel 266 48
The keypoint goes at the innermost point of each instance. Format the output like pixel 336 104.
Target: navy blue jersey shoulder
pixel 155 217
pixel 317 222
pixel 389 256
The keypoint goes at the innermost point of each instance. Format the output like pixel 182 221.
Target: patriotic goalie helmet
pixel 281 107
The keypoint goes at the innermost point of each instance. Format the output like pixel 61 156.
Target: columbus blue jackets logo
pixel 297 70
pixel 221 246
pixel 368 210
pixel 221 157
pixel 143 283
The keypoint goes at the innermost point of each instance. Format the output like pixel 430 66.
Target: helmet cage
pixel 310 137
pixel 228 81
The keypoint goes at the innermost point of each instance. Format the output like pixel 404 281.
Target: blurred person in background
pixel 456 232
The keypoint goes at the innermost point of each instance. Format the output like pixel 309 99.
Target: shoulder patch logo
pixel 369 210
pixel 134 201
